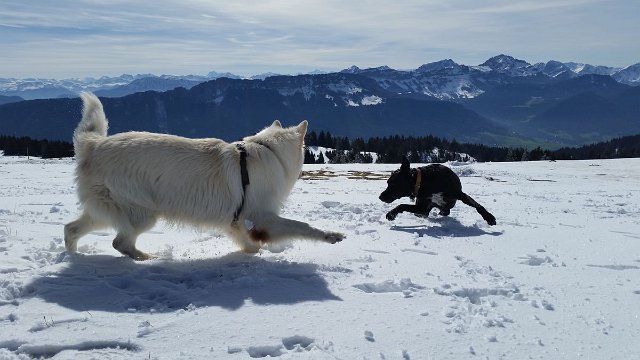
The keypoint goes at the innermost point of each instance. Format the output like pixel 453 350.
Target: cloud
pixel 513 7
pixel 80 38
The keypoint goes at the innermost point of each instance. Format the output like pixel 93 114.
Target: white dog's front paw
pixel 333 237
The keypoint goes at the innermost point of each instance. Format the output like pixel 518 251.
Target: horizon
pixel 89 39
pixel 246 76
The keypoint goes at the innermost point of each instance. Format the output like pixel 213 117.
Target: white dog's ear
pixel 276 123
pixel 302 127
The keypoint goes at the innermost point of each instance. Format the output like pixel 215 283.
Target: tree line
pixel 424 149
pixel 389 149
pixel 25 146
pixel 623 147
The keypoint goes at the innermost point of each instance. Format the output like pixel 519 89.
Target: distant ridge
pixel 504 101
pixel 497 65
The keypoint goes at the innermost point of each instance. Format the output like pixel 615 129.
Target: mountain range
pixel 344 104
pixel 443 79
pixel 501 101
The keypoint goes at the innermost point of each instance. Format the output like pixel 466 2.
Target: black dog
pixel 432 186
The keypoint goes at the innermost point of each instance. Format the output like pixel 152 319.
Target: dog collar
pixel 244 176
pixel 416 188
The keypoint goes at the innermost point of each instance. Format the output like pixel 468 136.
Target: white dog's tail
pixel 94 122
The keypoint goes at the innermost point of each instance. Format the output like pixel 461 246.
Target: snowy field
pixel 557 278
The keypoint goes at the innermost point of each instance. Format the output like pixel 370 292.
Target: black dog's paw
pixel 490 219
pixel 391 215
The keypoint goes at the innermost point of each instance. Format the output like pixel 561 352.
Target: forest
pixel 425 149
pixel 421 149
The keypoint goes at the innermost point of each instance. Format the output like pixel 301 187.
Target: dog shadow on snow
pixel 449 227
pixel 118 284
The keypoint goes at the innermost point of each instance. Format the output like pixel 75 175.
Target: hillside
pixel 350 105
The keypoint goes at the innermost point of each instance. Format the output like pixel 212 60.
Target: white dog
pixel 128 181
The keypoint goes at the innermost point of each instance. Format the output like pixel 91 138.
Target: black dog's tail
pixel 487 216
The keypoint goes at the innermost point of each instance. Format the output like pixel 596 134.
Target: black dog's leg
pixel 449 203
pixel 487 216
pixel 418 210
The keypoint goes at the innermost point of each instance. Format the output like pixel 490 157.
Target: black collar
pixel 417 183
pixel 244 175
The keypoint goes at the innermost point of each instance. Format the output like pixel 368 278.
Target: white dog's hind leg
pixel 76 229
pixel 246 245
pixel 273 228
pixel 126 245
pixel 138 221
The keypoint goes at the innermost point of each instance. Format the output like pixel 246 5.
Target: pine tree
pixel 311 139
pixel 309 158
pixel 322 139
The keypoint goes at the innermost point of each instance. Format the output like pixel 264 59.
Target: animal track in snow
pixel 533 260
pixel 330 204
pixel 544 304
pixel 295 343
pixel 478 299
pixel 475 295
pixel 51 350
pixel 50 323
pixel 404 285
pixel 11 317
pixel 264 351
pixel 363 259
pixel 144 329
pixel 368 335
pixel 427 252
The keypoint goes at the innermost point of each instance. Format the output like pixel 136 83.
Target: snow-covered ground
pixel 557 278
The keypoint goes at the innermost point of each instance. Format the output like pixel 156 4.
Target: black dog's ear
pixel 405 163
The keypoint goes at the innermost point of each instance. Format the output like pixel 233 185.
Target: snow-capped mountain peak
pixel 215 75
pixel 554 68
pixel 507 64
pixel 437 66
pixel 585 69
pixel 629 75
pixel 263 76
pixel 352 70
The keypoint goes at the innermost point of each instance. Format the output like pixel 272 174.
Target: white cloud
pixel 79 38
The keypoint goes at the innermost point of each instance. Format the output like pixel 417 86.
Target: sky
pixel 91 38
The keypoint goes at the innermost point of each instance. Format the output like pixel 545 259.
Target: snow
pixel 371 100
pixel 455 87
pixel 317 150
pixel 307 90
pixel 629 75
pixel 557 278
pixel 344 87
